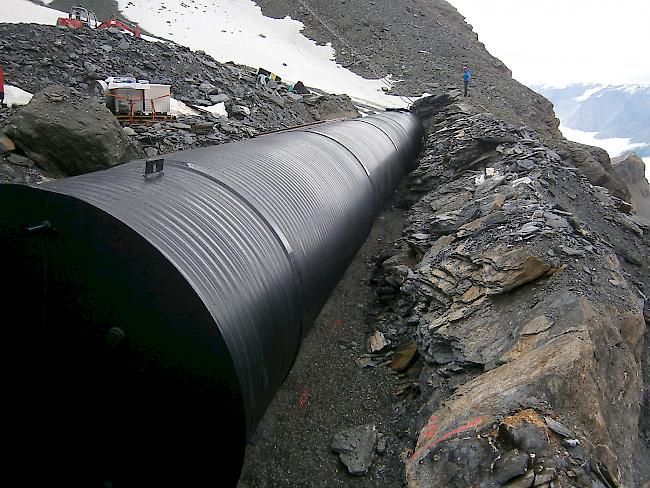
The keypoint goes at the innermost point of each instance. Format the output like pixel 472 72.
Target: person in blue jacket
pixel 467 74
pixel 2 85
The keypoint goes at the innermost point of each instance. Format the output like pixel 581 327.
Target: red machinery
pixel 80 17
pixel 120 24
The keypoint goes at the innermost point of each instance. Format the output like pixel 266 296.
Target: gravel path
pixel 327 392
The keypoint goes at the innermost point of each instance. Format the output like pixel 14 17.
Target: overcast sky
pixel 558 42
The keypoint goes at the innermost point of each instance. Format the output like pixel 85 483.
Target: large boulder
pixel 326 107
pixel 596 165
pixel 67 135
pixel 631 168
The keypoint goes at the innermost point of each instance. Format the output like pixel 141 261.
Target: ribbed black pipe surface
pixel 159 316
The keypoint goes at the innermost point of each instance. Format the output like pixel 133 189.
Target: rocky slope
pixel 529 286
pixel 35 57
pixel 425 43
pixel 512 313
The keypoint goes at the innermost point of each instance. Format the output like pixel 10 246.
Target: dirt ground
pixel 327 392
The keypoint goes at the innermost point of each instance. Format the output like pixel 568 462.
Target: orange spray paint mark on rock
pixel 430 430
pixel 303 401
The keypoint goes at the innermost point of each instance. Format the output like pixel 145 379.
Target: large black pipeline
pixel 157 316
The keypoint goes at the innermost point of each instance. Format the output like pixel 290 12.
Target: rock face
pixel 522 302
pixel 6 144
pixel 631 169
pixel 68 135
pixel 596 165
pixel 330 107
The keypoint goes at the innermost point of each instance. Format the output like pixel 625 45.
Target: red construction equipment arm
pixel 136 31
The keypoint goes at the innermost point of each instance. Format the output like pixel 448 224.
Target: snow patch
pixel 25 12
pixel 236 30
pixel 614 146
pixel 16 96
pixel 633 89
pixel 177 107
pixel 591 91
pixel 219 109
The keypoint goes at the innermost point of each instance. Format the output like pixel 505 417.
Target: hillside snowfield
pixel 234 30
pixel 589 93
pixel 22 11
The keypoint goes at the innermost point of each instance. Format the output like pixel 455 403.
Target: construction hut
pixel 127 96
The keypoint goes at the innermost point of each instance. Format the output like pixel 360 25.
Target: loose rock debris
pixel 36 57
pixel 355 448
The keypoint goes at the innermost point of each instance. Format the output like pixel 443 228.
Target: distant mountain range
pixel 613 111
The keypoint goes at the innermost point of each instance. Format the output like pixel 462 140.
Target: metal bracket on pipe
pixel 154 168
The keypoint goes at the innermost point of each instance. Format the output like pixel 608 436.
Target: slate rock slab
pixel 355 447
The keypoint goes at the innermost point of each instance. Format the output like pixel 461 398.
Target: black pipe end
pixel 113 369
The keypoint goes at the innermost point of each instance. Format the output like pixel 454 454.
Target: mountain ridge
pixel 612 111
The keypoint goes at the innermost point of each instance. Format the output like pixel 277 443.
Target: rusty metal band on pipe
pixel 157 317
